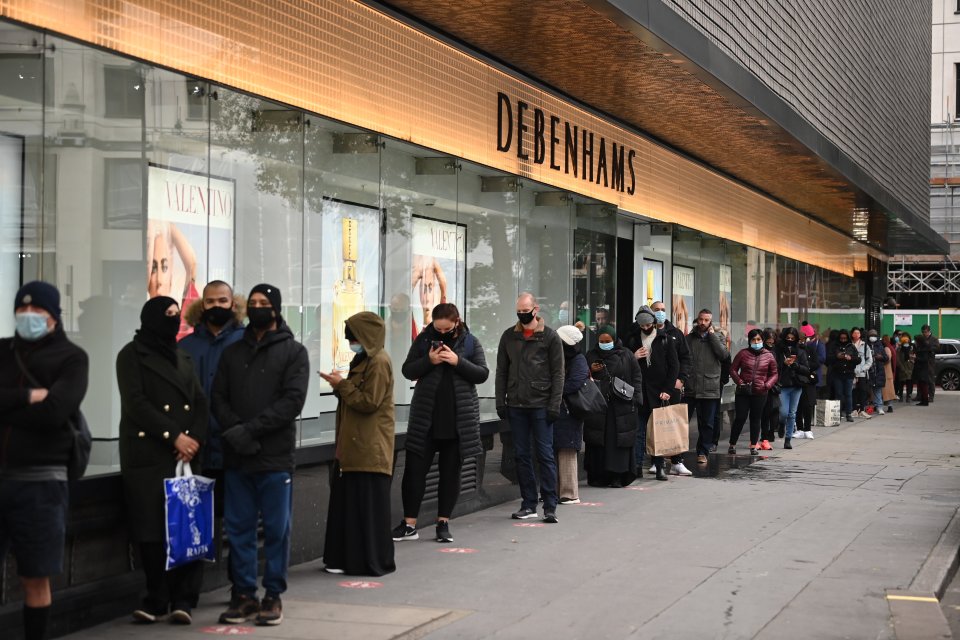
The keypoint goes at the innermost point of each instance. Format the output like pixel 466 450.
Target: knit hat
pixel 569 334
pixel 272 294
pixel 807 329
pixel 607 329
pixel 645 315
pixel 40 294
pixel 872 332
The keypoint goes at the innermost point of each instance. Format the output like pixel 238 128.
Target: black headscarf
pixel 158 331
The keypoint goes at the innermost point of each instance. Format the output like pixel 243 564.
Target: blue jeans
pixel 878 398
pixel 531 425
pixel 789 400
pixel 843 390
pixel 268 495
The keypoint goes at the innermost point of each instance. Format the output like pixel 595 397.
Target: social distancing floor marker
pixel 529 525
pixel 360 584
pixel 589 504
pixel 457 550
pixel 228 630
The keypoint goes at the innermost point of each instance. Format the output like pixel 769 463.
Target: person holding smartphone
pixel 792 368
pixel 447 362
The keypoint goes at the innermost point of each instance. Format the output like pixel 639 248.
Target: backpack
pixel 79 429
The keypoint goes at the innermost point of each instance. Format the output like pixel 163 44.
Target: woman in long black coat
pixel 924 354
pixel 610 459
pixel 448 363
pixel 163 419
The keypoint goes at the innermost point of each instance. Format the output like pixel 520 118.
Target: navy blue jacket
pixel 205 350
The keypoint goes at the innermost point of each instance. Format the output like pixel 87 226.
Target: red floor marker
pixel 529 525
pixel 360 584
pixel 228 630
pixel 457 550
pixel 589 504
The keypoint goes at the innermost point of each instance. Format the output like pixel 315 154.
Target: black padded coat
pixel 470 371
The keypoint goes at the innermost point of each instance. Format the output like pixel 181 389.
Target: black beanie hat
pixel 40 294
pixel 273 295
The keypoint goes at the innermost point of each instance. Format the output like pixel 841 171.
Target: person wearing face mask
pixel 35 444
pixel 163 420
pixel 447 363
pixel 878 375
pixel 904 374
pixel 217 319
pixel 793 370
pixel 842 359
pixel 770 416
pixel 862 391
pixel 358 539
pixel 610 460
pixel 528 390
pixel 816 354
pixel 659 366
pixel 708 354
pixel 754 371
pixel 258 392
pixel 923 354
pixel 563 314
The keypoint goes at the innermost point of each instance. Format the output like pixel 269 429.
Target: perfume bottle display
pixel 347 292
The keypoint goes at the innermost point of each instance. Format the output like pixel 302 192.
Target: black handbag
pixel 621 389
pixel 586 401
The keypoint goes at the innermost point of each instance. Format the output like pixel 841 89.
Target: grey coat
pixel 707 356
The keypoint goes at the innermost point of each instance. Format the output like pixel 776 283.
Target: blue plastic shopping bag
pixel 189 501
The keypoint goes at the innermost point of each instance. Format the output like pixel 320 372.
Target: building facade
pixel 363 156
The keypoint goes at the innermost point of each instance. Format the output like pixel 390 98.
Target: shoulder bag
pixel 587 400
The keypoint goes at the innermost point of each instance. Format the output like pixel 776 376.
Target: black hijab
pixel 158 331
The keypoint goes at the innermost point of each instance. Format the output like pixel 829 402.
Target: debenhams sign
pixel 545 138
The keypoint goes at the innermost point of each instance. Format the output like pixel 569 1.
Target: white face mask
pixel 31 326
pixel 873 338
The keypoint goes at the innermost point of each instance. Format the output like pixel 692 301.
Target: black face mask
pixel 446 338
pixel 169 327
pixel 647 331
pixel 526 318
pixel 217 316
pixel 260 317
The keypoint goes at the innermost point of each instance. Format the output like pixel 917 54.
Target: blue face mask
pixel 756 346
pixel 562 316
pixel 356 347
pixel 606 346
pixel 660 316
pixel 31 326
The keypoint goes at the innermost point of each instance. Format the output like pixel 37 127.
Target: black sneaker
pixel 149 614
pixel 443 532
pixel 849 418
pixel 271 611
pixel 786 444
pixel 550 516
pixel 713 448
pixel 403 531
pixel 241 609
pixel 524 514
pixel 181 615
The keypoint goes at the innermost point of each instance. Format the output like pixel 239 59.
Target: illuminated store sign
pixel 575 146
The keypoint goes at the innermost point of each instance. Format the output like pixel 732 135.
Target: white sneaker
pixel 809 435
pixel 863 414
pixel 881 412
pixel 799 435
pixel 653 468
pixel 680 470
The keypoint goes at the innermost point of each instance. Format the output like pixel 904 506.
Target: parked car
pixel 947 369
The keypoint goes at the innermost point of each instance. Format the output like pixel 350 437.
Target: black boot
pixel 786 444
pixel 661 475
pixel 849 418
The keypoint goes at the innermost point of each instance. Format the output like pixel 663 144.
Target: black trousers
pixel 862 395
pixel 178 588
pixel 747 405
pixel 770 417
pixel 415 477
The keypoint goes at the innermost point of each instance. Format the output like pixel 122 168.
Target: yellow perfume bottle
pixel 347 293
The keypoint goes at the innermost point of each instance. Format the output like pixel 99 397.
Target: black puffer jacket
pixel 260 387
pixel 470 371
pixel 791 375
pixel 38 434
pixel 838 366
pixel 620 363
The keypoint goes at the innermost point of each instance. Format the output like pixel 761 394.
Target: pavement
pixel 845 536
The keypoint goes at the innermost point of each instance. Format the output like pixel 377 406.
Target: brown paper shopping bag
pixel 668 431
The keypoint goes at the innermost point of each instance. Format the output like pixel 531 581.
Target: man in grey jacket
pixel 707 354
pixel 529 383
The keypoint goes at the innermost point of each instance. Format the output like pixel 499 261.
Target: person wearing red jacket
pixel 754 371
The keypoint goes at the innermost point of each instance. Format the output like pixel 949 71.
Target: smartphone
pixel 435 344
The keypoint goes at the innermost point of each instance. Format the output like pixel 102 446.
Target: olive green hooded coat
pixel 365 417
